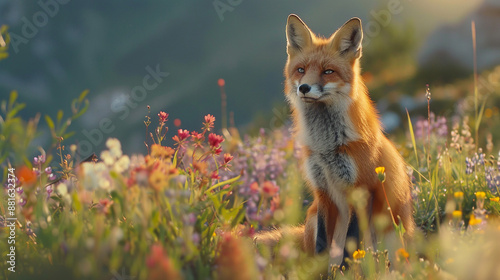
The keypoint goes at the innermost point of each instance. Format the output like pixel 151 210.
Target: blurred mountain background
pixel 107 46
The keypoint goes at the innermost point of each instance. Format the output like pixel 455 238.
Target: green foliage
pixel 180 212
pixel 4 42
pixel 16 135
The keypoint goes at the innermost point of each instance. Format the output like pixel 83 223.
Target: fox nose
pixel 304 88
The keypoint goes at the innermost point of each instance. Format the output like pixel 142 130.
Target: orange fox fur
pixel 338 126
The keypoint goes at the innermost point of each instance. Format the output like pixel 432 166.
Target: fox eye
pixel 301 70
pixel 329 71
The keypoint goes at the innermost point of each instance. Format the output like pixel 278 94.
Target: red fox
pixel 338 126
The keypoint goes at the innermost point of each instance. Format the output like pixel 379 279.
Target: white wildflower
pixel 115 147
pixel 107 158
pixel 122 164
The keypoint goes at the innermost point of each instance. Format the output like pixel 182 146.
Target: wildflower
pixel 48 170
pixel 474 221
pixel 235 260
pixel 197 138
pixel 200 166
pixel 254 187
pixel 104 205
pixel 434 126
pixel 158 180
pixel 39 159
pixel 160 266
pixel 480 196
pixel 215 140
pixel 122 164
pixel 469 166
pixel 428 92
pixel 26 175
pixel 457 214
pixel 183 134
pixel 380 173
pixel 227 158
pixel 495 199
pixel 115 147
pixel 163 117
pixel 215 175
pixel 95 175
pixel 49 190
pixel 107 158
pixel 358 254
pixel 401 252
pixel 458 195
pixel 209 122
pixel 22 202
pixel 269 188
pixel 159 151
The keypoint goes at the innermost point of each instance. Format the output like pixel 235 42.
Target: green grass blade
pixel 410 127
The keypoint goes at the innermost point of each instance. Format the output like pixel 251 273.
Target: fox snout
pixel 310 92
pixel 304 88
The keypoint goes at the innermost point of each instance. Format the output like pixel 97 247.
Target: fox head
pixel 322 70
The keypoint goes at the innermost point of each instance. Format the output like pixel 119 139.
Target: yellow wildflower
pixel 495 199
pixel 480 195
pixel 358 254
pixel 459 196
pixel 474 221
pixel 457 214
pixel 401 252
pixel 380 173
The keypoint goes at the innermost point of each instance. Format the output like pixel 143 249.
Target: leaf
pixel 480 116
pixel 227 182
pixel 15 110
pixel 239 217
pixel 410 127
pixel 82 111
pixel 12 99
pixel 60 114
pixel 50 123
pixel 82 95
pixel 76 202
pixel 68 135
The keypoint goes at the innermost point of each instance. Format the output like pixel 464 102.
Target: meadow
pixel 189 207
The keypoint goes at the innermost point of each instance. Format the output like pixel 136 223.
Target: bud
pixel 380 173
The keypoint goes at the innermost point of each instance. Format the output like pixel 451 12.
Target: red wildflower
pixel 218 151
pixel 215 175
pixel 254 187
pixel 209 122
pixel 215 140
pixel 159 264
pixel 183 134
pixel 163 116
pixel 227 158
pixel 197 138
pixel 26 175
pixel 221 82
pixel 270 188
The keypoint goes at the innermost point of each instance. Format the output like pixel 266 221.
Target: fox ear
pixel 298 35
pixel 347 40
